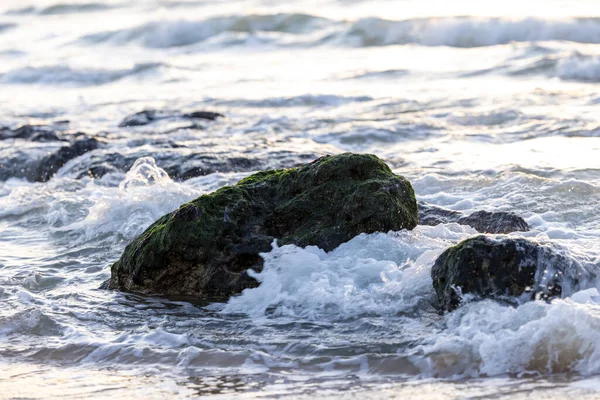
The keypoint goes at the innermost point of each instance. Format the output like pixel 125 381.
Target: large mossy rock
pixel 204 248
pixel 505 268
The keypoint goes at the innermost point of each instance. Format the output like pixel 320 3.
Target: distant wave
pixel 464 32
pixel 470 31
pixel 386 74
pixel 579 68
pixel 66 75
pixel 61 8
pixel 5 27
pixel 567 66
pixel 174 33
pixel 297 101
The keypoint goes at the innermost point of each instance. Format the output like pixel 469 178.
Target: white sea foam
pixel 487 338
pixel 145 194
pixel 381 274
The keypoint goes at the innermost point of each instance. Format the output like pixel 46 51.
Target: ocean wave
pixel 61 8
pixel 553 63
pixel 307 100
pixel 386 74
pixel 175 33
pixel 490 339
pixel 464 32
pixel 59 75
pixel 470 31
pixel 5 27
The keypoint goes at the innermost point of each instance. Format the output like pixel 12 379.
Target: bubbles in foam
pixel 380 274
pixel 146 194
pixel 143 173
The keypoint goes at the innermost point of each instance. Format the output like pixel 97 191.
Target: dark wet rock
pixel 495 222
pixel 51 164
pixel 22 162
pixel 204 115
pixel 434 215
pixel 182 163
pixel 205 248
pixel 504 268
pixel 482 221
pixel 148 116
pixel 192 127
pixel 32 133
pixel 142 118
pixel 38 160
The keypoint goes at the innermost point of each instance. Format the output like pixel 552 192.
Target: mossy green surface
pixel 204 248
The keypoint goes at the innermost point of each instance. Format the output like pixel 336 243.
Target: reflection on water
pixel 27 381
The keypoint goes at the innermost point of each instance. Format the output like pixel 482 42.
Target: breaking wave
pixel 465 32
pixel 175 33
pixel 61 8
pixel 570 67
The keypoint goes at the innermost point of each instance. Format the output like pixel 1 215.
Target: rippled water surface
pixel 480 105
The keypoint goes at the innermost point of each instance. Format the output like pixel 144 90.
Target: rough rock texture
pixel 495 222
pixel 148 116
pixel 481 221
pixel 502 268
pixel 204 248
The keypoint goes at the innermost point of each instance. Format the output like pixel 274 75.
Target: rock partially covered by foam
pixel 505 268
pixel 43 157
pixel 50 164
pixel 481 221
pixel 205 248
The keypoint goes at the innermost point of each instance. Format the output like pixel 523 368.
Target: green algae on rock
pixel 505 268
pixel 205 248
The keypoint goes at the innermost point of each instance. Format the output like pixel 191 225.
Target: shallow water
pixel 481 106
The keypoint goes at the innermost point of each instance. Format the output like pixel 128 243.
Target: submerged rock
pixel 139 119
pixel 205 248
pixel 504 268
pixel 209 115
pixel 32 133
pixel 148 116
pixel 481 221
pixel 52 163
pixel 495 222
pixel 38 162
pixel 182 162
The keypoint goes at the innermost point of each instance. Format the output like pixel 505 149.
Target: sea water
pixel 481 105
